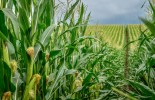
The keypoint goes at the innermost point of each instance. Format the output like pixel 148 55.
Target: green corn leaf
pixel 44 84
pixel 81 15
pixel 9 86
pixel 85 23
pixel 2 83
pixel 70 49
pixel 149 25
pixel 38 11
pixel 11 48
pixel 44 39
pixel 143 89
pixel 57 80
pixel 3 37
pixel 13 18
pixel 54 53
pixel 70 71
pixel 88 78
pixel 34 1
pixel 3 27
pixel 153 9
pixel 69 13
pixel 123 94
pixel 23 20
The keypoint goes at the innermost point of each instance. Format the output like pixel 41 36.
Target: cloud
pixel 115 11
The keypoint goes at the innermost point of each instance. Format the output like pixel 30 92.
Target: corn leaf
pixel 143 89
pixel 69 13
pixel 2 83
pixel 44 39
pixel 149 25
pixel 13 18
pixel 57 80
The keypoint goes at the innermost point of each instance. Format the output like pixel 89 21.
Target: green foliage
pixel 55 57
pixel 60 53
pixel 143 86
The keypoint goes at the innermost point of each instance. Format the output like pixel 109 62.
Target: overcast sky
pixel 115 11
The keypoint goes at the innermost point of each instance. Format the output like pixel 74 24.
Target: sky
pixel 115 11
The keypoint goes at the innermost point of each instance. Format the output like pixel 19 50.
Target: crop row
pixel 114 35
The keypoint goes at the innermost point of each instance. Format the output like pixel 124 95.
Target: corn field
pixel 48 51
pixel 114 35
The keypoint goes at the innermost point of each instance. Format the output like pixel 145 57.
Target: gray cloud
pixel 115 11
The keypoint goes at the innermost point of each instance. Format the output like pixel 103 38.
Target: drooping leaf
pixel 143 89
pixel 10 45
pixel 44 39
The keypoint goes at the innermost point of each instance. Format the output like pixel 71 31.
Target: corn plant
pixel 42 60
pixel 46 55
pixel 144 85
